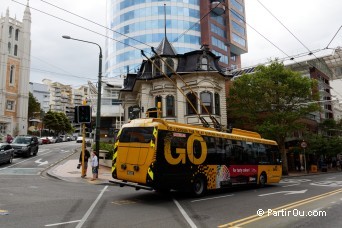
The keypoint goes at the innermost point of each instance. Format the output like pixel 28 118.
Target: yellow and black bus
pixel 158 155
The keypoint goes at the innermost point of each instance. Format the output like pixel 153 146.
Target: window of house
pixel 207 101
pixel 116 102
pixel 158 99
pixel 9 105
pixel 169 66
pixel 17 34
pixel 170 105
pixel 12 72
pixel 217 104
pixel 191 104
pixel 157 67
pixel 204 63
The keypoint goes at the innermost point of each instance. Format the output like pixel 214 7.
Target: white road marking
pixel 25 160
pixel 82 221
pixel 62 223
pixel 285 192
pixel 185 215
pixel 290 185
pixel 41 162
pixel 211 198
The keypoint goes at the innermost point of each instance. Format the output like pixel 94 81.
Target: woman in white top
pixel 94 165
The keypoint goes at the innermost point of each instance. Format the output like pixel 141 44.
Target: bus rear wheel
pixel 199 186
pixel 262 180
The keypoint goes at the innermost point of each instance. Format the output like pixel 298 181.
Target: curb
pixel 48 170
pixel 311 174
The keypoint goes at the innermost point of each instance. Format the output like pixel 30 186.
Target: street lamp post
pixel 98 110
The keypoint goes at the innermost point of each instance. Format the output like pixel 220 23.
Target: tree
pixel 58 122
pixel 33 106
pixel 50 121
pixel 272 101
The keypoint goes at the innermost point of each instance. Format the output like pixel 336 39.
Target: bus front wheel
pixel 199 186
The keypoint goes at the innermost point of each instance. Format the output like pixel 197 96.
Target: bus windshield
pixel 136 134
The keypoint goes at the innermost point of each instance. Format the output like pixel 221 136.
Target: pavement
pixel 67 170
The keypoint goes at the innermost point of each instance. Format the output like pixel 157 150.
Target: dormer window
pixel 169 66
pixel 156 67
pixel 204 62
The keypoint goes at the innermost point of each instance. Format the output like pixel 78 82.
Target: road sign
pixel 303 144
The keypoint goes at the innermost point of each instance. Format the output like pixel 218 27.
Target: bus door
pixel 135 153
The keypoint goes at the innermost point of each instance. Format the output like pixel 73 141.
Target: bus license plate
pixel 130 173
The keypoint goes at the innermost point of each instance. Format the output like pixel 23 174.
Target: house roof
pixel 165 48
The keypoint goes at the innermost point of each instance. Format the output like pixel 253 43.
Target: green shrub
pixel 106 146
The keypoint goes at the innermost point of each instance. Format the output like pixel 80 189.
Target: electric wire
pixel 310 52
pixel 333 37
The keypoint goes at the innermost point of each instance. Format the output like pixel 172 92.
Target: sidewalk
pixel 302 173
pixel 67 170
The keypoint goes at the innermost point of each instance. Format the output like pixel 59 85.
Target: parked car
pixel 64 138
pixel 79 139
pixel 40 141
pixel 6 153
pixel 52 139
pixel 45 140
pixel 26 145
pixel 58 140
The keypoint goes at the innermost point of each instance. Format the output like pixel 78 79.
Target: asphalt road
pixel 29 198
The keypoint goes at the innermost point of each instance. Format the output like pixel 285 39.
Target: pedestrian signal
pixel 84 114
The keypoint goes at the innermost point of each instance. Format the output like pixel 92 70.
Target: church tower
pixel 15 48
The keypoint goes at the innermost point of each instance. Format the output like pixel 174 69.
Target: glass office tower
pixel 188 24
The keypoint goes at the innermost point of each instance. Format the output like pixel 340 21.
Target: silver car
pixel 6 153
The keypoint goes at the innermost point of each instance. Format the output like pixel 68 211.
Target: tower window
pixel 12 71
pixel 16 50
pixel 17 34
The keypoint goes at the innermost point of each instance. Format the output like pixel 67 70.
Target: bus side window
pixel 262 156
pixel 228 151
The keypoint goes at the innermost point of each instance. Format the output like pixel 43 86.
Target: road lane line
pixel 34 157
pixel 211 198
pixel 255 217
pixel 80 224
pixel 290 185
pixel 185 215
pixel 62 223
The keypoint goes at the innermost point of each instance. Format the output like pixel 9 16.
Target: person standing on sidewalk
pixel 94 165
pixel 86 158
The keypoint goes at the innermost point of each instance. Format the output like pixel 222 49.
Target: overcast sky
pixel 313 22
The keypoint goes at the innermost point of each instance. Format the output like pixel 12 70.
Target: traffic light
pixel 84 114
